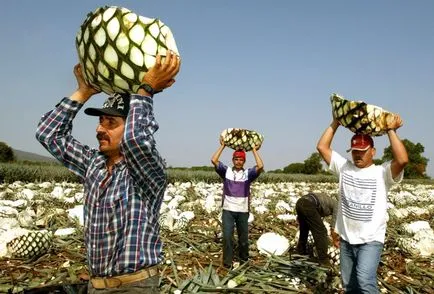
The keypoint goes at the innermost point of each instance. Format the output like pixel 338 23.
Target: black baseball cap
pixel 115 105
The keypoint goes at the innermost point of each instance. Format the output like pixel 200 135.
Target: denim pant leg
pixel 228 222
pixel 368 259
pixel 359 265
pixel 348 262
pixel 243 235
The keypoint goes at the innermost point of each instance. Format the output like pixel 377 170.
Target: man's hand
pixel 335 123
pixel 335 239
pixel 84 90
pixel 161 75
pixel 393 122
pixel 222 141
pixel 256 147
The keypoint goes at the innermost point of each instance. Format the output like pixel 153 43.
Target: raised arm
pixel 138 144
pixel 55 127
pixel 324 143
pixel 259 162
pixel 400 156
pixel 216 156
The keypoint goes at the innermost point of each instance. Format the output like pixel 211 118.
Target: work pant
pixel 359 265
pixel 230 219
pixel 309 219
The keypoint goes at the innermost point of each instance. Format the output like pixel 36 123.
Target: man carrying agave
pixel 124 181
pixel 235 200
pixel 362 208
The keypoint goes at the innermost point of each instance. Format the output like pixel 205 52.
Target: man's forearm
pixel 400 156
pixel 216 156
pixel 258 159
pixel 325 141
pixel 80 96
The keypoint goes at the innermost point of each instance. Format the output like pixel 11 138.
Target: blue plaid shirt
pixel 121 211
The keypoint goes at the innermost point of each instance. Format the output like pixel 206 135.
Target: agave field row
pixel 191 231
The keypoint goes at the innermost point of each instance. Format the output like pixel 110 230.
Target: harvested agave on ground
pixel 31 245
pixel 241 139
pixel 334 254
pixel 116 47
pixel 361 117
pixel 272 243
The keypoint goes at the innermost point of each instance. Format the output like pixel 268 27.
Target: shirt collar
pixel 237 171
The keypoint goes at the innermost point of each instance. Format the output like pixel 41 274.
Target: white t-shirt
pixel 362 212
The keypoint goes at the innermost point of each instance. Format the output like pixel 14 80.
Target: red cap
pixel 239 153
pixel 361 142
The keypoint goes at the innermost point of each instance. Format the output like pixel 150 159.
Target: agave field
pixel 190 221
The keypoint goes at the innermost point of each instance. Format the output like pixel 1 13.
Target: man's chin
pixel 359 164
pixel 103 148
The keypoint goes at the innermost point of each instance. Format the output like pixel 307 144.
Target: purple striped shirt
pixel 122 232
pixel 236 187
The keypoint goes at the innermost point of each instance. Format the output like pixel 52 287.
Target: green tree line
pixel 416 168
pixel 313 165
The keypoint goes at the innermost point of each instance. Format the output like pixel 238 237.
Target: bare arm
pixel 400 156
pixel 324 143
pixel 259 162
pixel 218 153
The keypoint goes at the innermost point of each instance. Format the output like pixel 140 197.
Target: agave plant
pixel 361 117
pixel 241 139
pixel 116 47
pixel 30 245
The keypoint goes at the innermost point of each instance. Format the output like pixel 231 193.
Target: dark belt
pixel 117 281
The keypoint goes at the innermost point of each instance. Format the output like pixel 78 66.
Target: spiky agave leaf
pixel 360 117
pixel 241 139
pixel 30 245
pixel 116 47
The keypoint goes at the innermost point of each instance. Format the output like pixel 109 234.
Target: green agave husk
pixel 360 117
pixel 116 47
pixel 30 245
pixel 241 139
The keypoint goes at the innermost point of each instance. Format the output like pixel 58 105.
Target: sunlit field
pixel 190 228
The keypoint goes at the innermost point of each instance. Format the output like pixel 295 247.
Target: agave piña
pixel 361 117
pixel 241 139
pixel 30 245
pixel 116 47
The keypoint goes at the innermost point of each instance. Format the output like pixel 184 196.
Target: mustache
pixel 102 136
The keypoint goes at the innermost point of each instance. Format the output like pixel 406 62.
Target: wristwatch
pixel 147 88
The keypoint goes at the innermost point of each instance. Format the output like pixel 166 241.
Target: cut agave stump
pixel 241 139
pixel 361 117
pixel 116 47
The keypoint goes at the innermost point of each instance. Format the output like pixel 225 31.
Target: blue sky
pixel 268 66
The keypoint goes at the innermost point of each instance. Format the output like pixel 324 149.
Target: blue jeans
pixel 230 219
pixel 359 265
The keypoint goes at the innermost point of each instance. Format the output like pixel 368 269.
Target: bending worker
pixel 311 208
